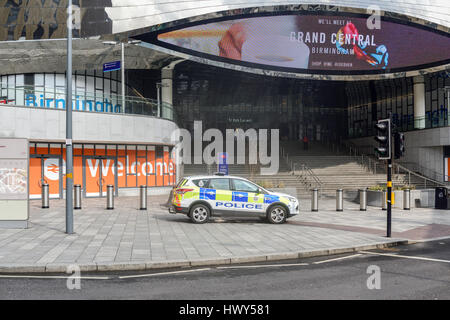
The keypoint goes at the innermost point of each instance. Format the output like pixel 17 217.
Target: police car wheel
pixel 277 215
pixel 199 213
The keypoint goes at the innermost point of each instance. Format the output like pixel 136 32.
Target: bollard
pixel 384 200
pixel 406 199
pixel 339 200
pixel 77 197
pixel 143 198
pixel 315 200
pixel 45 196
pixel 109 197
pixel 362 199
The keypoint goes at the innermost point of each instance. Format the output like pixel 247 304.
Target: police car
pixel 200 197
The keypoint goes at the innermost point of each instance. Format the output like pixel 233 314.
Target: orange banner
pixel 132 167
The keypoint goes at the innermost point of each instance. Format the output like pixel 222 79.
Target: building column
pixel 167 88
pixel 419 102
pixel 167 99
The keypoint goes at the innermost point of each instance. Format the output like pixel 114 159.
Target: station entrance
pixel 227 99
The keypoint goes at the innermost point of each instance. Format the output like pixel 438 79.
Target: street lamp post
pixel 122 67
pixel 122 64
pixel 69 151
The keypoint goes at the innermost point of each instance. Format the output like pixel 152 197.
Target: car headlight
pixel 292 200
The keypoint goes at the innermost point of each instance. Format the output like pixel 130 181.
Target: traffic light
pixel 383 137
pixel 399 148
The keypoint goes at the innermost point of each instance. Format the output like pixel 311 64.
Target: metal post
pixel 109 197
pixel 363 199
pixel 143 198
pixel 406 199
pixel 315 200
pixel 384 201
pixel 158 97
pixel 69 151
pixel 339 200
pixel 77 198
pixel 122 67
pixel 389 199
pixel 45 196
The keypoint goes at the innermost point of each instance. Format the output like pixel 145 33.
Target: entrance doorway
pixel 98 172
pixel 50 170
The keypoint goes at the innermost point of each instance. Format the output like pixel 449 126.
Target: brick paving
pixel 128 235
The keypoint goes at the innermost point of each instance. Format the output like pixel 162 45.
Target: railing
pixel 55 98
pixel 307 177
pixel 375 166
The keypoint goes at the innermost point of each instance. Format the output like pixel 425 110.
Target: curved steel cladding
pixel 47 19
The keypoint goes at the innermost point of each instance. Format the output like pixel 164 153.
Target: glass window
pixel 60 80
pixel 202 183
pixel 242 185
pixel 49 81
pixel 39 79
pixel 80 81
pixel 19 80
pixel 107 88
pixel 221 184
pixel 90 89
pixel 98 83
pixel 20 97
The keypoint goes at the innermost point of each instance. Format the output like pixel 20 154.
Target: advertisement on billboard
pixel 313 43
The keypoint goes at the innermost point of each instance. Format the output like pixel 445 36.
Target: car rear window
pixel 181 183
pixel 202 183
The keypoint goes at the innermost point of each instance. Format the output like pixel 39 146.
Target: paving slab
pixel 128 238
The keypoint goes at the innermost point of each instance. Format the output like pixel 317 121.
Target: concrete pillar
pixel 167 88
pixel 419 102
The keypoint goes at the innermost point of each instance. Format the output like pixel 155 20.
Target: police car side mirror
pixel 260 191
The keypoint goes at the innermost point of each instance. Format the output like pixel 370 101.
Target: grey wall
pixel 49 125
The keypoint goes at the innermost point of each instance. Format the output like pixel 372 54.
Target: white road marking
pixel 162 273
pixel 337 259
pixel 405 257
pixel 265 266
pixel 54 277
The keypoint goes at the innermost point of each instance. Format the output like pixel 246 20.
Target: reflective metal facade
pixel 46 19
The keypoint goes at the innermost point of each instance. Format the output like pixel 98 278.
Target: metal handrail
pixel 108 102
pixel 305 172
pixel 371 163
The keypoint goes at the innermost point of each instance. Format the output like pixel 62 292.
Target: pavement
pixel 130 239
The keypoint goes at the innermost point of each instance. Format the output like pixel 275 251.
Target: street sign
pixel 223 163
pixel 111 66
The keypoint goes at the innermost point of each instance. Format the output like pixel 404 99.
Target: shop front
pixel 99 165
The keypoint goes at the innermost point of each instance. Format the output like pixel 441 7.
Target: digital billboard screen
pixel 312 42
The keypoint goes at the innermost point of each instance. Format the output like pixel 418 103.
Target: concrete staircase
pixel 332 167
pixel 337 170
